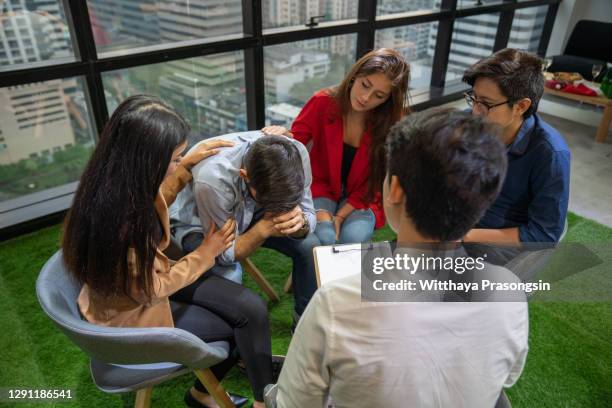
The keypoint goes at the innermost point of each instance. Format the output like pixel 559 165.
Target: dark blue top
pixel 348 154
pixel 535 193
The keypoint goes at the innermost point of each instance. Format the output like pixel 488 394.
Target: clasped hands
pixel 336 220
pixel 285 224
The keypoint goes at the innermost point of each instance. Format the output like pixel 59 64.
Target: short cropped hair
pixel 517 73
pixel 451 166
pixel 275 171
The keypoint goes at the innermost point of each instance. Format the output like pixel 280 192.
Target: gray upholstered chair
pixel 128 359
pixel 586 46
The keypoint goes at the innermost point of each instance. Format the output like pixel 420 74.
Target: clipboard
pixel 336 261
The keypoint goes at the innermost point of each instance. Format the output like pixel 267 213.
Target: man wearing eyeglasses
pixel 532 206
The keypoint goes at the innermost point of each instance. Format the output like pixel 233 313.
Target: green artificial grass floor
pixel 569 362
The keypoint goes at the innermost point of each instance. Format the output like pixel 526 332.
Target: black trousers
pixel 216 309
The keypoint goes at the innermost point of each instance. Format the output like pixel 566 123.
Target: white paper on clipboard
pixel 336 261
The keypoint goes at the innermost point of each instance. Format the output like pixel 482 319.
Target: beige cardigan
pixel 168 276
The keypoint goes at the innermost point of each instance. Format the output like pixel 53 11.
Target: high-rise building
pixel 411 41
pixel 191 84
pixel 222 115
pixel 188 85
pixel 32 31
pixel 474 36
pixel 340 10
pixel 35 121
pixel 282 114
pixel 527 27
pixel 34 118
pixel 124 24
pixel 286 66
pixel 282 13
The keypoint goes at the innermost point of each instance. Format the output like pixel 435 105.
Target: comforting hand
pixel 289 222
pixel 276 131
pixel 218 241
pixel 204 150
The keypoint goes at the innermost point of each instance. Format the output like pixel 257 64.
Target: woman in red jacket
pixel 347 126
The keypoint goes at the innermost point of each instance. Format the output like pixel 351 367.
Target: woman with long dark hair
pixel 347 126
pixel 118 227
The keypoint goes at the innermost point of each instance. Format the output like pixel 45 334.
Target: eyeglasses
pixel 485 107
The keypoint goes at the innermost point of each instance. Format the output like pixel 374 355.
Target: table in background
pixel 604 124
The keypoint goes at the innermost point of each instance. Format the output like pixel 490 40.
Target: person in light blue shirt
pixel 263 182
pixel 532 205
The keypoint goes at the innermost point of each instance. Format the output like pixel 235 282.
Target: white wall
pixel 570 12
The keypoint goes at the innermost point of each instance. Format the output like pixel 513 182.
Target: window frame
pixel 90 66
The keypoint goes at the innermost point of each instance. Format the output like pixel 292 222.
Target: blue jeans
pixel 303 277
pixel 358 227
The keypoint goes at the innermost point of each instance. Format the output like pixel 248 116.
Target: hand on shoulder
pixel 204 150
pixel 276 131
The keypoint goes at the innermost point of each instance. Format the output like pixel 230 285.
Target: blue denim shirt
pixel 535 193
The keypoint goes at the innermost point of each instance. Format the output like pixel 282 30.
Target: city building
pixel 287 66
pixel 35 121
pixel 282 114
pixel 34 118
pixel 236 65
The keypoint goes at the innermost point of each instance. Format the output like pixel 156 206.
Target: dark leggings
pixel 216 309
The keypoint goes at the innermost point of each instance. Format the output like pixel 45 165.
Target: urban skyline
pixel 39 120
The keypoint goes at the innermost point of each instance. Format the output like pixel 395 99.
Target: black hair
pixel 274 169
pixel 113 210
pixel 451 166
pixel 517 73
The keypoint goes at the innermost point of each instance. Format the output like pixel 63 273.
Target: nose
pixel 365 98
pixel 478 110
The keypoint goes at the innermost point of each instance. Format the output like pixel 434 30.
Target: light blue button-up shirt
pixel 217 193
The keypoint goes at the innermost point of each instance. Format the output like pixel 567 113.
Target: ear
pixel 521 106
pixel 243 174
pixel 396 192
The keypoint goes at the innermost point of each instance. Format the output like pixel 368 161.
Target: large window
pixel 33 34
pixel 225 65
pixel 293 72
pixel 476 3
pixel 384 7
pixel 417 44
pixel 527 27
pixel 208 91
pixel 122 25
pixel 283 13
pixel 45 139
pixel 473 39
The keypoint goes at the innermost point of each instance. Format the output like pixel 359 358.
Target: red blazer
pixel 320 122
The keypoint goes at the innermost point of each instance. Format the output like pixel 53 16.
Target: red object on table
pixel 580 89
pixel 558 85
